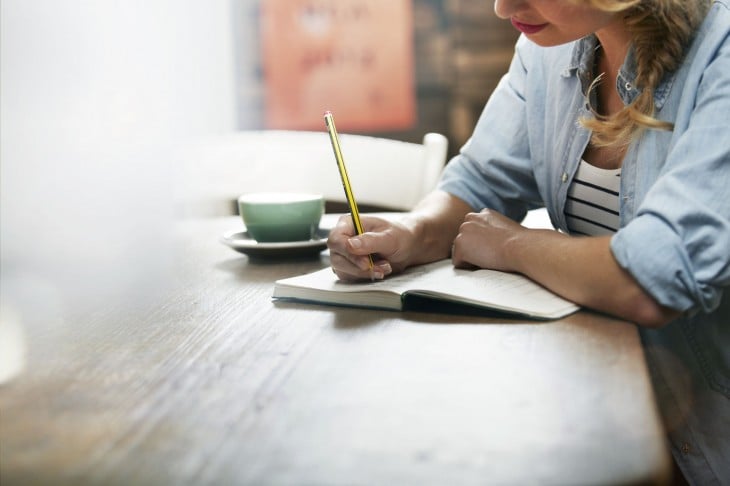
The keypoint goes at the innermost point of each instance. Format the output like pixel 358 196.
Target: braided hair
pixel 661 31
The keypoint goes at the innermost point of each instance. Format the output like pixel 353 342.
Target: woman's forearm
pixel 435 222
pixel 583 270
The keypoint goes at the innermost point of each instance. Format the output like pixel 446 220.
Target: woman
pixel 615 115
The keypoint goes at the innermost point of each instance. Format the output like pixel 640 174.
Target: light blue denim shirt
pixel 674 209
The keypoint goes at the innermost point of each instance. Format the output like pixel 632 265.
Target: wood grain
pixel 213 383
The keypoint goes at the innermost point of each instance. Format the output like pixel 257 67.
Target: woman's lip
pixel 528 28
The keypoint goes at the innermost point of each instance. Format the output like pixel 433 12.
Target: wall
pixel 461 50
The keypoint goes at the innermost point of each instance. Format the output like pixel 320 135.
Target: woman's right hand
pixel 422 235
pixel 391 245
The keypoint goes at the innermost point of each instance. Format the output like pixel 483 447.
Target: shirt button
pixel 685 448
pixel 564 177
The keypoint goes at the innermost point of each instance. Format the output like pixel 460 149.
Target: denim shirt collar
pixel 581 65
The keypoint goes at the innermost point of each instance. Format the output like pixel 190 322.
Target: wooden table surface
pixel 217 384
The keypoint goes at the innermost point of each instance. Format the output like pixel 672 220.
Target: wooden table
pixel 216 384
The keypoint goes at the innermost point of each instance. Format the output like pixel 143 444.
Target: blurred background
pixel 460 50
pixel 93 96
pixel 96 96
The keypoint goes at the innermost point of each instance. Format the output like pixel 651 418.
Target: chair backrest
pixel 384 173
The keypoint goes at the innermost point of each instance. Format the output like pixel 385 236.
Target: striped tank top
pixel 592 207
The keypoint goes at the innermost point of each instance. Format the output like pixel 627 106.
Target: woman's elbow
pixel 647 312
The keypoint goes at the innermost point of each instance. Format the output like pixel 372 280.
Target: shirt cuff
pixel 656 257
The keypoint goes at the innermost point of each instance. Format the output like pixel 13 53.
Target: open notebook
pixel 489 290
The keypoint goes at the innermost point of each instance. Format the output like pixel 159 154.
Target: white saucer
pixel 242 242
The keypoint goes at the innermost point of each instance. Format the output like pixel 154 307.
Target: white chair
pixel 384 173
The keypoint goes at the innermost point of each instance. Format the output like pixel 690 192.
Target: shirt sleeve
pixel 678 245
pixel 493 169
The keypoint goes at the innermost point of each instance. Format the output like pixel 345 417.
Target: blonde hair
pixel 661 30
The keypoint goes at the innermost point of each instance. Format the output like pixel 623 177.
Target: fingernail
pixel 386 268
pixel 355 243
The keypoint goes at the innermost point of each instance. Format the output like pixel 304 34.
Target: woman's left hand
pixel 483 241
pixel 581 269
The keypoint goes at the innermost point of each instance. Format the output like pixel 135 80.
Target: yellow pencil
pixel 330 122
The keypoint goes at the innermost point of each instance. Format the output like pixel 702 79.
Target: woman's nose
pixel 506 8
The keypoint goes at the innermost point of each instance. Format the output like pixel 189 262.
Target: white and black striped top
pixel 592 207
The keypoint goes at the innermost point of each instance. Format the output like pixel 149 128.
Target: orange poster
pixel 353 57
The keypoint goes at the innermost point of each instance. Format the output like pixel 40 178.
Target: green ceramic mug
pixel 281 216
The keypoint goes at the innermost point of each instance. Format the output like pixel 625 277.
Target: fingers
pixel 350 254
pixel 458 254
pixel 473 239
pixel 380 242
pixel 359 269
pixel 483 241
